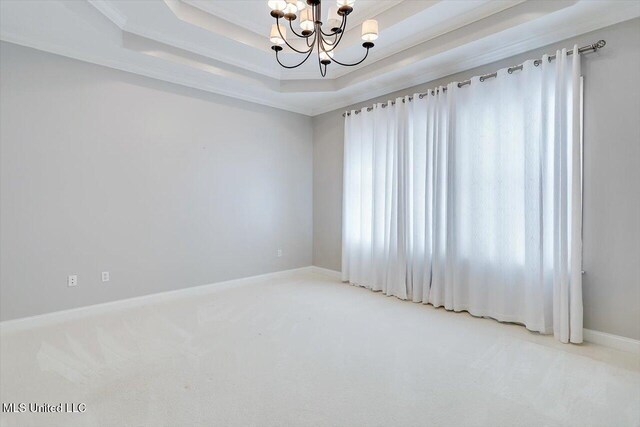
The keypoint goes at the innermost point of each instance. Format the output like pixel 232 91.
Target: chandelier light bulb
pixel 301 5
pixel 306 19
pixel 346 2
pixel 275 37
pixel 369 30
pixel 326 56
pixel 277 5
pixel 291 7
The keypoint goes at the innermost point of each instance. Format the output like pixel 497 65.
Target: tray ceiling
pixel 221 46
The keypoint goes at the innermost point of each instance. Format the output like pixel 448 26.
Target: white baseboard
pixel 55 317
pixel 612 341
pixel 326 272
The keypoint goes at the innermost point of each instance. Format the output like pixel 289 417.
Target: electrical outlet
pixel 279 253
pixel 72 280
pixel 105 276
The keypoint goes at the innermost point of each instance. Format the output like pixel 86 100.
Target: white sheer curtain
pixel 470 198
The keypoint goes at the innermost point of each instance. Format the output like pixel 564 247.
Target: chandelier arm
pixel 323 73
pixel 333 43
pixel 355 63
pixel 285 40
pixel 319 40
pixel 338 39
pixel 294 66
pixel 335 33
pixel 299 35
pixel 310 44
pixel 320 64
pixel 303 61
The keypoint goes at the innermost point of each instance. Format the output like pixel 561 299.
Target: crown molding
pixel 94 41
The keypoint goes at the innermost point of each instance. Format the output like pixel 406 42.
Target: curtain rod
pixel 588 48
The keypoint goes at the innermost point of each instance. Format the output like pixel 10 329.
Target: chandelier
pixel 323 40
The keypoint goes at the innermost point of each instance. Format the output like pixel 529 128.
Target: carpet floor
pixel 306 350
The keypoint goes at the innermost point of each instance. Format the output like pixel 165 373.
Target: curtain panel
pixel 470 198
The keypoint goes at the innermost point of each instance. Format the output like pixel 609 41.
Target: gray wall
pixel 612 176
pixel 163 186
pixel 170 187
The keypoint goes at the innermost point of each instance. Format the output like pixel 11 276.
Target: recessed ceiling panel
pixel 222 46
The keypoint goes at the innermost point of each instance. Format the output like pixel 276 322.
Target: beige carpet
pixel 309 351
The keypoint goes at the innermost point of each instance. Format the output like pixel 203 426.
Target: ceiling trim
pixel 110 12
pixel 118 19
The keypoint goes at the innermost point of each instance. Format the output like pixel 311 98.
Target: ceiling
pixel 221 46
